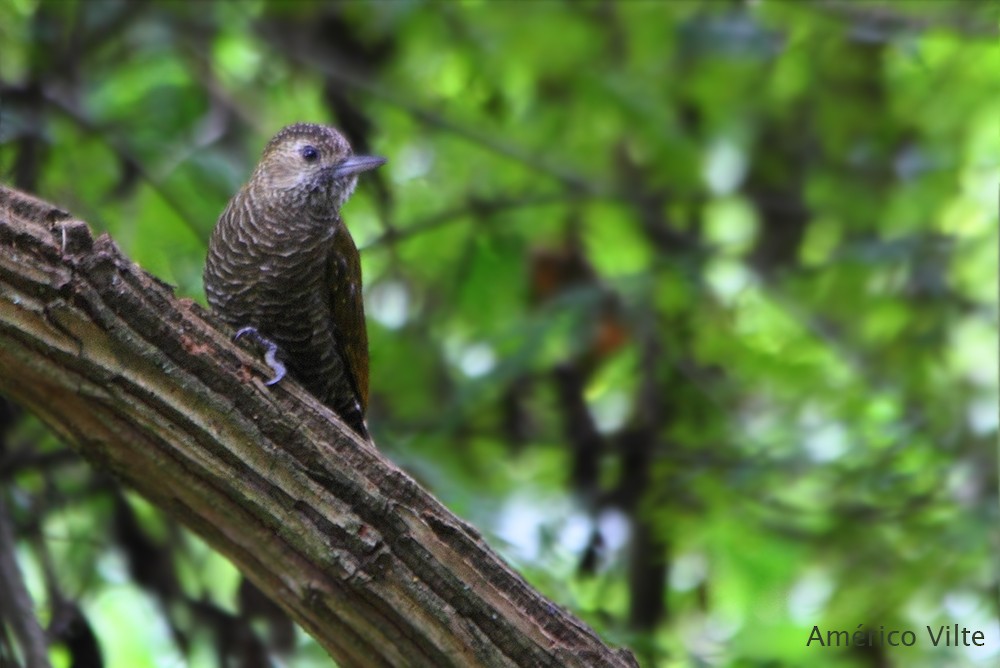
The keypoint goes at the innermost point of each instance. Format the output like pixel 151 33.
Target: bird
pixel 283 268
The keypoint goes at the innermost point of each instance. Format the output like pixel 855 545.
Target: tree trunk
pixel 149 388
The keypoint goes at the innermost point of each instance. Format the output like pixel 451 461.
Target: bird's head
pixel 312 165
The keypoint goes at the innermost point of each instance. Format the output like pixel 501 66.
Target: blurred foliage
pixel 690 306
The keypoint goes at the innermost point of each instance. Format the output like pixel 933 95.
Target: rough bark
pixel 149 388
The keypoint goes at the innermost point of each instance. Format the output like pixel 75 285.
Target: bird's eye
pixel 309 153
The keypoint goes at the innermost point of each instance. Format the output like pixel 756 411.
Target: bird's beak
pixel 357 164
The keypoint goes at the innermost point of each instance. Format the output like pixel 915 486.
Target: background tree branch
pixel 145 386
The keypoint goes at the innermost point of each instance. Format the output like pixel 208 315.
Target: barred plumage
pixel 282 262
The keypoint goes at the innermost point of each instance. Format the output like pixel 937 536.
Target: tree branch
pixel 16 607
pixel 147 387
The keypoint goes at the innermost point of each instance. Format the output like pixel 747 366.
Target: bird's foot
pixel 270 352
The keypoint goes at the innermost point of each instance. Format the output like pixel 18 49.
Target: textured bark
pixel 147 387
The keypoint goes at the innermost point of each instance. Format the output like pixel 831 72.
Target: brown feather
pixel 348 307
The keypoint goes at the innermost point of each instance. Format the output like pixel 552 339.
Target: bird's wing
pixel 344 279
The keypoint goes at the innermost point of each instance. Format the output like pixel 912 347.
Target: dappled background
pixel 690 307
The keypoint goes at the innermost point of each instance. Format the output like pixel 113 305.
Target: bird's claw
pixel 270 353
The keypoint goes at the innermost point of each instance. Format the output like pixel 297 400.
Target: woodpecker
pixel 283 268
